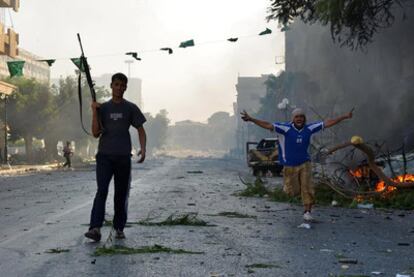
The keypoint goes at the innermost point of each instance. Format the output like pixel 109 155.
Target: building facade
pixel 249 92
pixel 33 67
pixel 378 80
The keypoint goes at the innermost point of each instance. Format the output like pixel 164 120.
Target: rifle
pixel 85 68
pixel 85 65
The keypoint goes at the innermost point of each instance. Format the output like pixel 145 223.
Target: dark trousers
pixel 106 167
pixel 68 162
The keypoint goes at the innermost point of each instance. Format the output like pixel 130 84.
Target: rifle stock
pixel 86 69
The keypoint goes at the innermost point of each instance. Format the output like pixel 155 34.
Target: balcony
pixel 10 4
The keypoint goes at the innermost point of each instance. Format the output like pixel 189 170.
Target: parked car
pixel 263 157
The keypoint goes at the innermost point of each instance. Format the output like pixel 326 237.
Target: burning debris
pixel 368 181
pixel 405 178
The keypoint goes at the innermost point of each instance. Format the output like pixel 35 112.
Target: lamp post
pixel 5 159
pixel 129 62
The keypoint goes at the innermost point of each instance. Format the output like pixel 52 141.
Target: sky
pixel 193 83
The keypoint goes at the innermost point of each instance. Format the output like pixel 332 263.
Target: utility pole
pixel 129 62
pixel 6 161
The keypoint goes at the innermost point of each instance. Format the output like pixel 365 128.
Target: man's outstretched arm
pixel 331 122
pixel 142 136
pixel 264 124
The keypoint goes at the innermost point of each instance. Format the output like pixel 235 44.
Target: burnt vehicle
pixel 263 157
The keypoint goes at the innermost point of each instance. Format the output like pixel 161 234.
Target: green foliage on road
pixel 57 251
pixel 350 275
pixel 260 265
pixel 233 215
pixel 123 250
pixel 279 195
pixel 402 199
pixel 189 219
pixel 254 189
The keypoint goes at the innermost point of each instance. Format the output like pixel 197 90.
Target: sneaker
pixel 94 234
pixel 119 234
pixel 307 216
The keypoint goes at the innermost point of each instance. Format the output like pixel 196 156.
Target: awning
pixel 6 88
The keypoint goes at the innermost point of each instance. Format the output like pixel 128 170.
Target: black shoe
pixel 119 234
pixel 94 234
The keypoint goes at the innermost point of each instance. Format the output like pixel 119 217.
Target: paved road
pixel 49 210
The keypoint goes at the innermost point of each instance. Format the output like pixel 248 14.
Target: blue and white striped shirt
pixel 294 143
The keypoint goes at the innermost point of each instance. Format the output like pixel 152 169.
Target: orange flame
pixel 399 179
pixel 356 172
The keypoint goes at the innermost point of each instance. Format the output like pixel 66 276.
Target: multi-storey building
pixel 378 80
pixel 33 67
pixel 249 92
pixel 133 93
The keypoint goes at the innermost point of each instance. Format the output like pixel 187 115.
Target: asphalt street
pixel 45 211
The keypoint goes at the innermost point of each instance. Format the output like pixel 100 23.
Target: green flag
pixel 78 63
pixel 188 43
pixel 265 32
pixel 134 55
pixel 16 68
pixel 233 39
pixel 170 51
pixel 49 62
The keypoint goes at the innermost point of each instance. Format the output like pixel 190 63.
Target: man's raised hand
pixel 350 114
pixel 95 105
pixel 245 116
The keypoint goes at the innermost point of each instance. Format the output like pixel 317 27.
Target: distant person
pixel 110 122
pixel 294 141
pixel 67 153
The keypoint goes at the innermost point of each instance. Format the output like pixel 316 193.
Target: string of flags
pixel 16 67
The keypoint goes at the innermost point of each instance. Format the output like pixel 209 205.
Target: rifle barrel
pixel 80 43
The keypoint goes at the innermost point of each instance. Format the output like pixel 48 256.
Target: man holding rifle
pixel 110 123
pixel 294 141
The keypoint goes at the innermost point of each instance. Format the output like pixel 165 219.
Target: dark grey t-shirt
pixel 116 119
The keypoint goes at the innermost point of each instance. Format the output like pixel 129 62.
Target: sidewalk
pixel 21 169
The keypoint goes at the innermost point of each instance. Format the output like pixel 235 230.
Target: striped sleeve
pixel 316 127
pixel 280 128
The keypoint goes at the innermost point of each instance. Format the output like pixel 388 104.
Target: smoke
pixel 378 82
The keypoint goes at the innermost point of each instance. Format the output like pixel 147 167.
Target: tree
pixel 65 123
pixel 221 131
pixel 353 23
pixel 28 110
pixel 156 129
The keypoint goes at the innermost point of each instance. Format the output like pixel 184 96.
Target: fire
pixel 356 173
pixel 399 179
pixel 360 172
pixel 359 198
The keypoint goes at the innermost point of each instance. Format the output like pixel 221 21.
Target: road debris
pixel 189 219
pixel 123 250
pixel 195 172
pixel 57 250
pixel 304 226
pixel 365 206
pixel 233 215
pixel 347 261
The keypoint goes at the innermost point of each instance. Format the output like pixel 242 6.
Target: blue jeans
pixel 106 167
